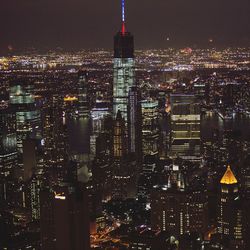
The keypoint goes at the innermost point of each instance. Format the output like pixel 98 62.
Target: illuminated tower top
pixel 123 17
pixel 123 41
pixel 228 178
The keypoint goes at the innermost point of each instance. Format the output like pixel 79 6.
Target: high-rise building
pixel 8 150
pixel 245 175
pixel 123 167
pixel 54 134
pixel 147 177
pixel 135 123
pixel 47 226
pixel 119 142
pixel 230 213
pixel 147 239
pixel 83 105
pixel 35 188
pixel 64 218
pixel 185 127
pixel 8 154
pixel 200 90
pixel 29 158
pixel 99 113
pixel 124 68
pixel 150 127
pixel 28 117
pixel 177 211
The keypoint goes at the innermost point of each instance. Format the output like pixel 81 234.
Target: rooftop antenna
pixel 123 17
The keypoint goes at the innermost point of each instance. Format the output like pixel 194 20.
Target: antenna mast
pixel 123 17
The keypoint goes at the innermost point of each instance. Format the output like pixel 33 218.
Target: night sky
pixel 92 23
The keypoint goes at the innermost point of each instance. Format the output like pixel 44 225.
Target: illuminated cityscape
pixel 127 148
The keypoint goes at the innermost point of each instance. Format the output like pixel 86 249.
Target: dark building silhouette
pixel 83 104
pixel 65 218
pixel 55 137
pixel 119 137
pixel 178 212
pixel 146 239
pixel 135 123
pixel 8 154
pixel 29 158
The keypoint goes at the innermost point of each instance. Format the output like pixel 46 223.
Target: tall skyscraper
pixel 8 150
pixel 134 122
pixel 230 214
pixel 54 134
pixel 28 117
pixel 185 127
pixel 29 158
pixel 83 106
pixel 8 153
pixel 36 185
pixel 150 127
pixel 99 113
pixel 47 220
pixel 124 68
pixel 119 142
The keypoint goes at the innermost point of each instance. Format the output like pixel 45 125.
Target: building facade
pixel 185 127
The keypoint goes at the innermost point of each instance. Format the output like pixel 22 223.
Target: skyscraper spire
pixel 123 17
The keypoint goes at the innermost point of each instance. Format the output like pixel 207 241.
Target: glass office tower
pixel 124 72
pixel 185 127
pixel 28 117
pixel 150 127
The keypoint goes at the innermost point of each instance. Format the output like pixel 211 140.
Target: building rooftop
pixel 228 177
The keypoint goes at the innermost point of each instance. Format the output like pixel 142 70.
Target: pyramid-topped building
pixel 229 177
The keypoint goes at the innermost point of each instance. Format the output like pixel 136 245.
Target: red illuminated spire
pixel 123 28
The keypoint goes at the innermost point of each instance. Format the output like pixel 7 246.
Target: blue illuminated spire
pixel 123 11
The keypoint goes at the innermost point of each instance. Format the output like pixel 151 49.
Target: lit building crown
pixel 228 177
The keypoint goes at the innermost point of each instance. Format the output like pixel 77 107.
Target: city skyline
pixel 145 149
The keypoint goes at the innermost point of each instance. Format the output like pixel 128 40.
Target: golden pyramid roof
pixel 228 177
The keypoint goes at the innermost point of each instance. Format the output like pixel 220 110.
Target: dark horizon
pixel 78 24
